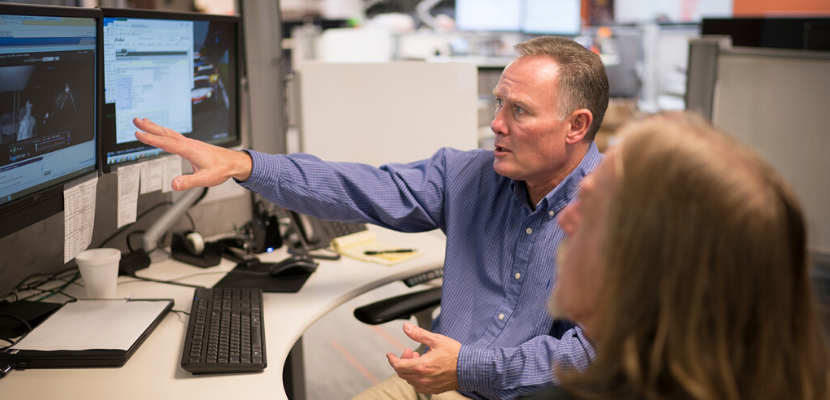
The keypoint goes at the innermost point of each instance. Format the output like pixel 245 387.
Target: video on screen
pixel 45 106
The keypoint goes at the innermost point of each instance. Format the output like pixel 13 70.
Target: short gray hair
pixel 582 79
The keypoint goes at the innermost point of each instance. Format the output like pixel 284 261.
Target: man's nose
pixel 498 126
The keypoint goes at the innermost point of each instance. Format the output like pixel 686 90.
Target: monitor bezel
pixel 35 207
pixel 107 140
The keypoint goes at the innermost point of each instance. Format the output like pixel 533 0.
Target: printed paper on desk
pixel 355 244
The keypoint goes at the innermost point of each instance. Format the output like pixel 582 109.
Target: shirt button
pixel 529 231
pixel 501 317
pixel 518 275
pixel 550 213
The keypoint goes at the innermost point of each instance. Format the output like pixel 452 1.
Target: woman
pixel 686 265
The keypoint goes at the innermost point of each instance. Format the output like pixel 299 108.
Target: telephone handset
pixel 316 233
pixel 305 227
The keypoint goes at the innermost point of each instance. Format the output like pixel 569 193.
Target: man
pixel 686 263
pixel 497 209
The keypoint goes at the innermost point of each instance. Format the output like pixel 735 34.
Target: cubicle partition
pixel 776 101
pixel 376 113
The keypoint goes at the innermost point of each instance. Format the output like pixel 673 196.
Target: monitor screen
pixel 547 17
pixel 488 15
pixel 552 17
pixel 179 70
pixel 48 108
pixel 669 11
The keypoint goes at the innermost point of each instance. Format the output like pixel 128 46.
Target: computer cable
pixel 6 370
pixel 25 285
pixel 7 294
pixel 57 290
pixel 21 320
pixel 125 227
pixel 163 238
pixel 45 277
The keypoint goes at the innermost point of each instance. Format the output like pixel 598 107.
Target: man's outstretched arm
pixel 212 165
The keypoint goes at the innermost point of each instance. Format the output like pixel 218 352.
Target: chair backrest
pixel 377 113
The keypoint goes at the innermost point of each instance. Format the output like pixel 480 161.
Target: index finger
pixel 153 128
pixel 163 138
pixel 403 366
pixel 165 143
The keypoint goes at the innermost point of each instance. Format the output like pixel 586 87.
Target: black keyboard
pixel 225 332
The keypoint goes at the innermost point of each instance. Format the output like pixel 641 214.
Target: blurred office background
pixel 646 46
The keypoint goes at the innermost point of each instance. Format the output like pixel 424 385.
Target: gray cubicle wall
pixel 776 101
pixel 377 113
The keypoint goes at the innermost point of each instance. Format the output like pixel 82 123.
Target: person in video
pixel 26 128
pixel 493 338
pixel 686 264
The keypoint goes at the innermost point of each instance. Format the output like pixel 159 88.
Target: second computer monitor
pixel 179 70
pixel 543 17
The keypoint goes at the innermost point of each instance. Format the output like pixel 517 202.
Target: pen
pixel 377 252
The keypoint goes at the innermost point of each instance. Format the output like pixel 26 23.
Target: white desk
pixel 154 371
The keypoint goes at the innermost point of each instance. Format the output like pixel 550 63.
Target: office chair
pixel 420 304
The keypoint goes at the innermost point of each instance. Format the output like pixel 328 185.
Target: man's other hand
pixel 212 165
pixel 433 372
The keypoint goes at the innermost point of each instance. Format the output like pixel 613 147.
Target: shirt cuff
pixel 262 171
pixel 473 369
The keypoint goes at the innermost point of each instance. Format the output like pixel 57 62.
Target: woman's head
pixel 703 285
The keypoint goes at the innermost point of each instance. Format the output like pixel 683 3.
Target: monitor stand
pixel 130 263
pixel 151 238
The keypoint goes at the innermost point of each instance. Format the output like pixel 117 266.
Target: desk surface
pixel 154 371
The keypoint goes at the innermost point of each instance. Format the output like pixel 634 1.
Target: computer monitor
pixel 552 17
pixel 543 17
pixel 800 33
pixel 49 96
pixel 669 11
pixel 180 70
pixel 488 15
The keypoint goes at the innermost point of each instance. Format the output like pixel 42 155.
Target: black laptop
pixel 23 357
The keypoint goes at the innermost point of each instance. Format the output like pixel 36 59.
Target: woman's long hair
pixel 708 293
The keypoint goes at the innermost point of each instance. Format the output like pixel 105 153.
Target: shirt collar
pixel 565 192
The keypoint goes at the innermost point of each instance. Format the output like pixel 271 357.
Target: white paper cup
pixel 99 269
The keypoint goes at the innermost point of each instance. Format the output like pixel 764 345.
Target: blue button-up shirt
pixel 500 258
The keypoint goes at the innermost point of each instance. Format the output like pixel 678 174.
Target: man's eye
pixel 498 103
pixel 518 110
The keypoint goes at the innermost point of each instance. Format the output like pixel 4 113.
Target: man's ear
pixel 580 122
